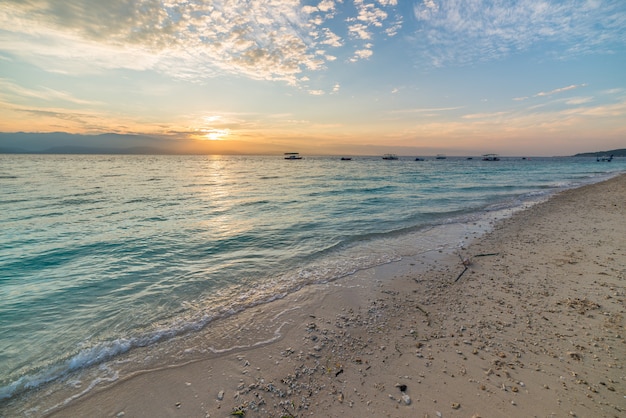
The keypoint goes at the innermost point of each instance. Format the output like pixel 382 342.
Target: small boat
pixel 346 158
pixel 419 159
pixel 292 156
pixel 390 157
pixel 605 159
pixel 440 157
pixel 491 157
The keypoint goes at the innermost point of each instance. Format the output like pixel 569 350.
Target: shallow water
pixel 100 255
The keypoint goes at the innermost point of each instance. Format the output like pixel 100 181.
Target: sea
pixel 102 256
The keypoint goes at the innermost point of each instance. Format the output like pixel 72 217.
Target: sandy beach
pixel 527 321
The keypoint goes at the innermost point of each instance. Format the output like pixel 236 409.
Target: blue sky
pixel 517 77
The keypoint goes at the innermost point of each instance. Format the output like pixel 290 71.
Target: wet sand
pixel 534 327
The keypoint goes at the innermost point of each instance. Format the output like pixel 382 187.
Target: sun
pixel 209 132
pixel 216 134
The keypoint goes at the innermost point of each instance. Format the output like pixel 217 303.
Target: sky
pixel 329 77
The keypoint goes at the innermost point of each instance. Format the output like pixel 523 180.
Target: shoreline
pixel 457 347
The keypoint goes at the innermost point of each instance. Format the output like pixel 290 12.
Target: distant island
pixel 615 152
pixel 64 143
pixel 111 143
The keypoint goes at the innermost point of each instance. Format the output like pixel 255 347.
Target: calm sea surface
pixel 100 255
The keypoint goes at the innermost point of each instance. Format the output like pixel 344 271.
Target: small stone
pixel 401 387
pixel 406 398
pixel 220 395
pixel 456 405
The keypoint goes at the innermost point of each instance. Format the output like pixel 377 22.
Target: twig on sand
pixel 425 312
pixel 467 262
pixel 289 414
pixel 459 276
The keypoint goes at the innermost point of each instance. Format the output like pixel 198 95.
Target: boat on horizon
pixel 390 157
pixel 440 157
pixel 346 158
pixel 491 157
pixel 292 156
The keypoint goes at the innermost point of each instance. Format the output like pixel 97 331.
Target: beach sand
pixel 534 327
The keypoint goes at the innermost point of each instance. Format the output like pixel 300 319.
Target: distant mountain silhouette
pixel 64 143
pixel 616 153
pixel 91 150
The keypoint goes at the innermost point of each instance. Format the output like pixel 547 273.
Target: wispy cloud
pixel 492 115
pixel 459 32
pixel 579 100
pixel 559 90
pixel 426 109
pixel 13 92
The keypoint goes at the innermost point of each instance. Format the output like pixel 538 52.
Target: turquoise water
pixel 102 254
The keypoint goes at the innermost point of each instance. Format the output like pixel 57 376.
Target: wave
pixel 184 257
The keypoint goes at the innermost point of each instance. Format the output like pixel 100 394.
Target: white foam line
pixel 276 337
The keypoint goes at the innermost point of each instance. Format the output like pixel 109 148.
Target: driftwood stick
pixel 486 255
pixel 459 276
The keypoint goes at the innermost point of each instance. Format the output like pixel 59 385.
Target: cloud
pixel 326 6
pixel 370 14
pixel 14 92
pixel 559 90
pixel 331 39
pixel 360 31
pixel 427 109
pixel 492 115
pixel 361 54
pixel 459 32
pixel 579 100
pixel 192 39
